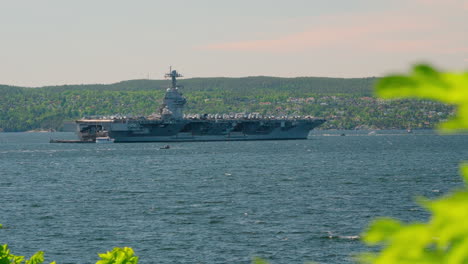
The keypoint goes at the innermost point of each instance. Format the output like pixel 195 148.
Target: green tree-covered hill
pixel 346 103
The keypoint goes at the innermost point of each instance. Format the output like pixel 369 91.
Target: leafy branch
pixel 116 256
pixel 427 83
pixel 444 238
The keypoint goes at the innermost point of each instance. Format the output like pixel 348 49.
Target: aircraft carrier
pixel 171 125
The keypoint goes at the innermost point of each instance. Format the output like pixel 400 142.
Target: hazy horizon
pixel 188 78
pixel 53 42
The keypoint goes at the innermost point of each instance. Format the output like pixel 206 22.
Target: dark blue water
pixel 217 202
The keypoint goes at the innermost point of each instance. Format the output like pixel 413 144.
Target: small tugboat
pixel 104 140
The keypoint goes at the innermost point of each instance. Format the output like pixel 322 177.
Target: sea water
pixel 217 202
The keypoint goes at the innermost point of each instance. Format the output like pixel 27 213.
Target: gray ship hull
pixel 124 130
pixel 171 126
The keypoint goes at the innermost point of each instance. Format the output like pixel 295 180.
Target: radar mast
pixel 173 74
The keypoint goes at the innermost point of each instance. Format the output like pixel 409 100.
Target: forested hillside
pixel 346 103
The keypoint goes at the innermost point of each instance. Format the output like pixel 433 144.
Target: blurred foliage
pixel 427 83
pixel 37 258
pixel 259 261
pixel 118 256
pixel 444 238
pixel 7 258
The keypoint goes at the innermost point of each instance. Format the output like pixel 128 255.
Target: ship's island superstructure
pixel 171 125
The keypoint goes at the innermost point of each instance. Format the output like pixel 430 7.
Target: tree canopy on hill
pixel 299 85
pixel 346 103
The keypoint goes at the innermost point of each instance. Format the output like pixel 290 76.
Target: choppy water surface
pixel 217 202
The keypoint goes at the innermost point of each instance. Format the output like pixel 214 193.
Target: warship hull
pixel 171 125
pixel 196 130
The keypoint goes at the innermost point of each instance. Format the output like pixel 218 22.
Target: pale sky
pixel 54 42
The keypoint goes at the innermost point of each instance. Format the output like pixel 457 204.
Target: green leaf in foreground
pixel 259 261
pixel 37 258
pixel 118 256
pixel 6 257
pixel 444 239
pixel 427 83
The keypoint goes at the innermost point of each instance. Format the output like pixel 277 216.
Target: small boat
pixel 104 140
pixel 165 147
